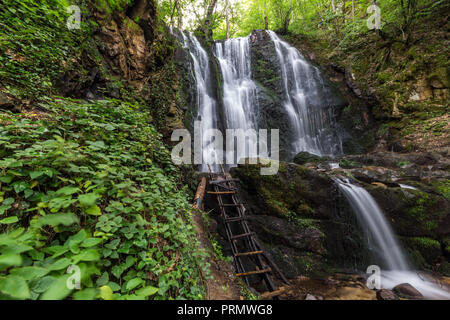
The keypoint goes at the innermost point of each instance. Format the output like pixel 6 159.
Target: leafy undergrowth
pixel 35 45
pixel 91 184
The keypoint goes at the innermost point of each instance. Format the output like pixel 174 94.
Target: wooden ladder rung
pixel 243 274
pixel 221 192
pixel 226 188
pixel 242 235
pixel 234 219
pixel 231 205
pixel 248 253
pixel 222 181
pixel 272 294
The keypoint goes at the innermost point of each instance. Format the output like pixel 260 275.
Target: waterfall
pixel 383 241
pixel 372 218
pixel 308 102
pixel 206 103
pixel 239 91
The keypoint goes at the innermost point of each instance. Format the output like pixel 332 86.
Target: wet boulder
pixel 385 294
pixel 306 157
pixel 407 291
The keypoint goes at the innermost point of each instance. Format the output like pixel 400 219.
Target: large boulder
pixel 407 291
pixel 306 157
pixel 301 220
pixel 384 294
pixel 5 101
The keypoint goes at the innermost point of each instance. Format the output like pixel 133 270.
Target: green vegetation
pixel 35 45
pixel 424 251
pixel 91 184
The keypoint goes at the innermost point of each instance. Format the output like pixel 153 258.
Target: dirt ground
pixel 223 285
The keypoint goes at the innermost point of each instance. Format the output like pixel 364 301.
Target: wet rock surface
pixel 405 290
pixel 300 220
pixel 385 294
pixel 307 228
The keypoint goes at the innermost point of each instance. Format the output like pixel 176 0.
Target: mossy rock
pixel 295 212
pixel 442 75
pixel 425 250
pixel 444 268
pixel 306 157
pixel 413 213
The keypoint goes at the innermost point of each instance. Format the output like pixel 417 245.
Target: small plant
pixel 217 248
pixel 402 164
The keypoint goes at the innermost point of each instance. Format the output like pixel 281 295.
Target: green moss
pixel 444 188
pixel 277 207
pixel 383 77
pixel 305 210
pixel 312 265
pixel 425 251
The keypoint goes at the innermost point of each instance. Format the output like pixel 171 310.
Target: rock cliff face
pixel 352 122
pixel 353 125
pixel 309 228
pixel 302 220
pixel 130 56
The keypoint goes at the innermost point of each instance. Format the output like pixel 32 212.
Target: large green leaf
pixel 15 286
pixel 29 273
pixel 53 220
pixel 106 293
pixel 58 289
pixel 66 191
pixel 41 285
pixel 133 283
pixel 87 255
pixel 36 174
pixel 9 220
pixel 86 294
pixel 10 259
pixel 147 291
pixel 60 264
pixel 20 186
pixel 94 211
pixel 88 199
pixel 91 242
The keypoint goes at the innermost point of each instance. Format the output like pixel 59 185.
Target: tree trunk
pixel 180 15
pixel 266 22
pixel 209 13
pixel 333 6
pixel 353 10
pixel 227 15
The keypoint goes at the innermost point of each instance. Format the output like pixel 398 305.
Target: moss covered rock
pixel 299 216
pixel 423 251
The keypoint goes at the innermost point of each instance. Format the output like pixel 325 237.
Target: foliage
pixel 92 184
pixel 35 45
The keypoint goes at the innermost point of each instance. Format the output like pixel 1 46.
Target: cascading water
pixel 239 91
pixel 371 218
pixel 207 105
pixel 308 102
pixel 385 246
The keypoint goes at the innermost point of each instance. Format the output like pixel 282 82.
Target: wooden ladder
pixel 244 246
